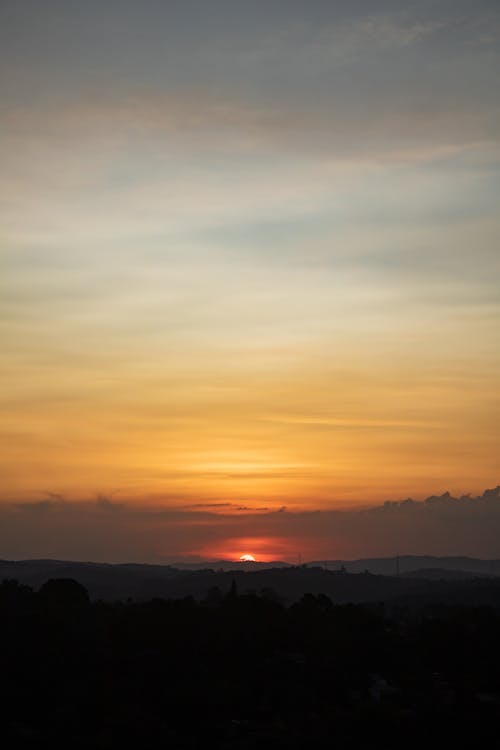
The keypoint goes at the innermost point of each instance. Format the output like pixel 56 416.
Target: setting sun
pixel 247 558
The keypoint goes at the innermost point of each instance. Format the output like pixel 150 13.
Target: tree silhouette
pixel 64 592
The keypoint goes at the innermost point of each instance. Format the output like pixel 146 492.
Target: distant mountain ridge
pixel 230 565
pixel 403 564
pixel 444 580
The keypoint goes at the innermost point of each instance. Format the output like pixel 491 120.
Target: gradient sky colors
pixel 249 252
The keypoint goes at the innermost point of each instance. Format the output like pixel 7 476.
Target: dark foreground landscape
pixel 236 669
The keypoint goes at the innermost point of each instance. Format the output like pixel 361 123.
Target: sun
pixel 247 558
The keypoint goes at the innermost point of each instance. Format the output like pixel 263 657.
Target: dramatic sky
pixel 249 261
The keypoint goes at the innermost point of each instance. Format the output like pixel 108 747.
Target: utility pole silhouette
pixel 397 565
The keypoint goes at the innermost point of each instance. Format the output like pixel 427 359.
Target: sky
pixel 249 272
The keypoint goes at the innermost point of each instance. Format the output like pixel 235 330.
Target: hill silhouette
pixel 343 584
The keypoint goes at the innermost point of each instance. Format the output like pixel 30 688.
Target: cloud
pixel 107 504
pixel 369 36
pixel 439 525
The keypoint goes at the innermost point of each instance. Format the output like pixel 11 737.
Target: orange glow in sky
pixel 264 549
pixel 230 285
